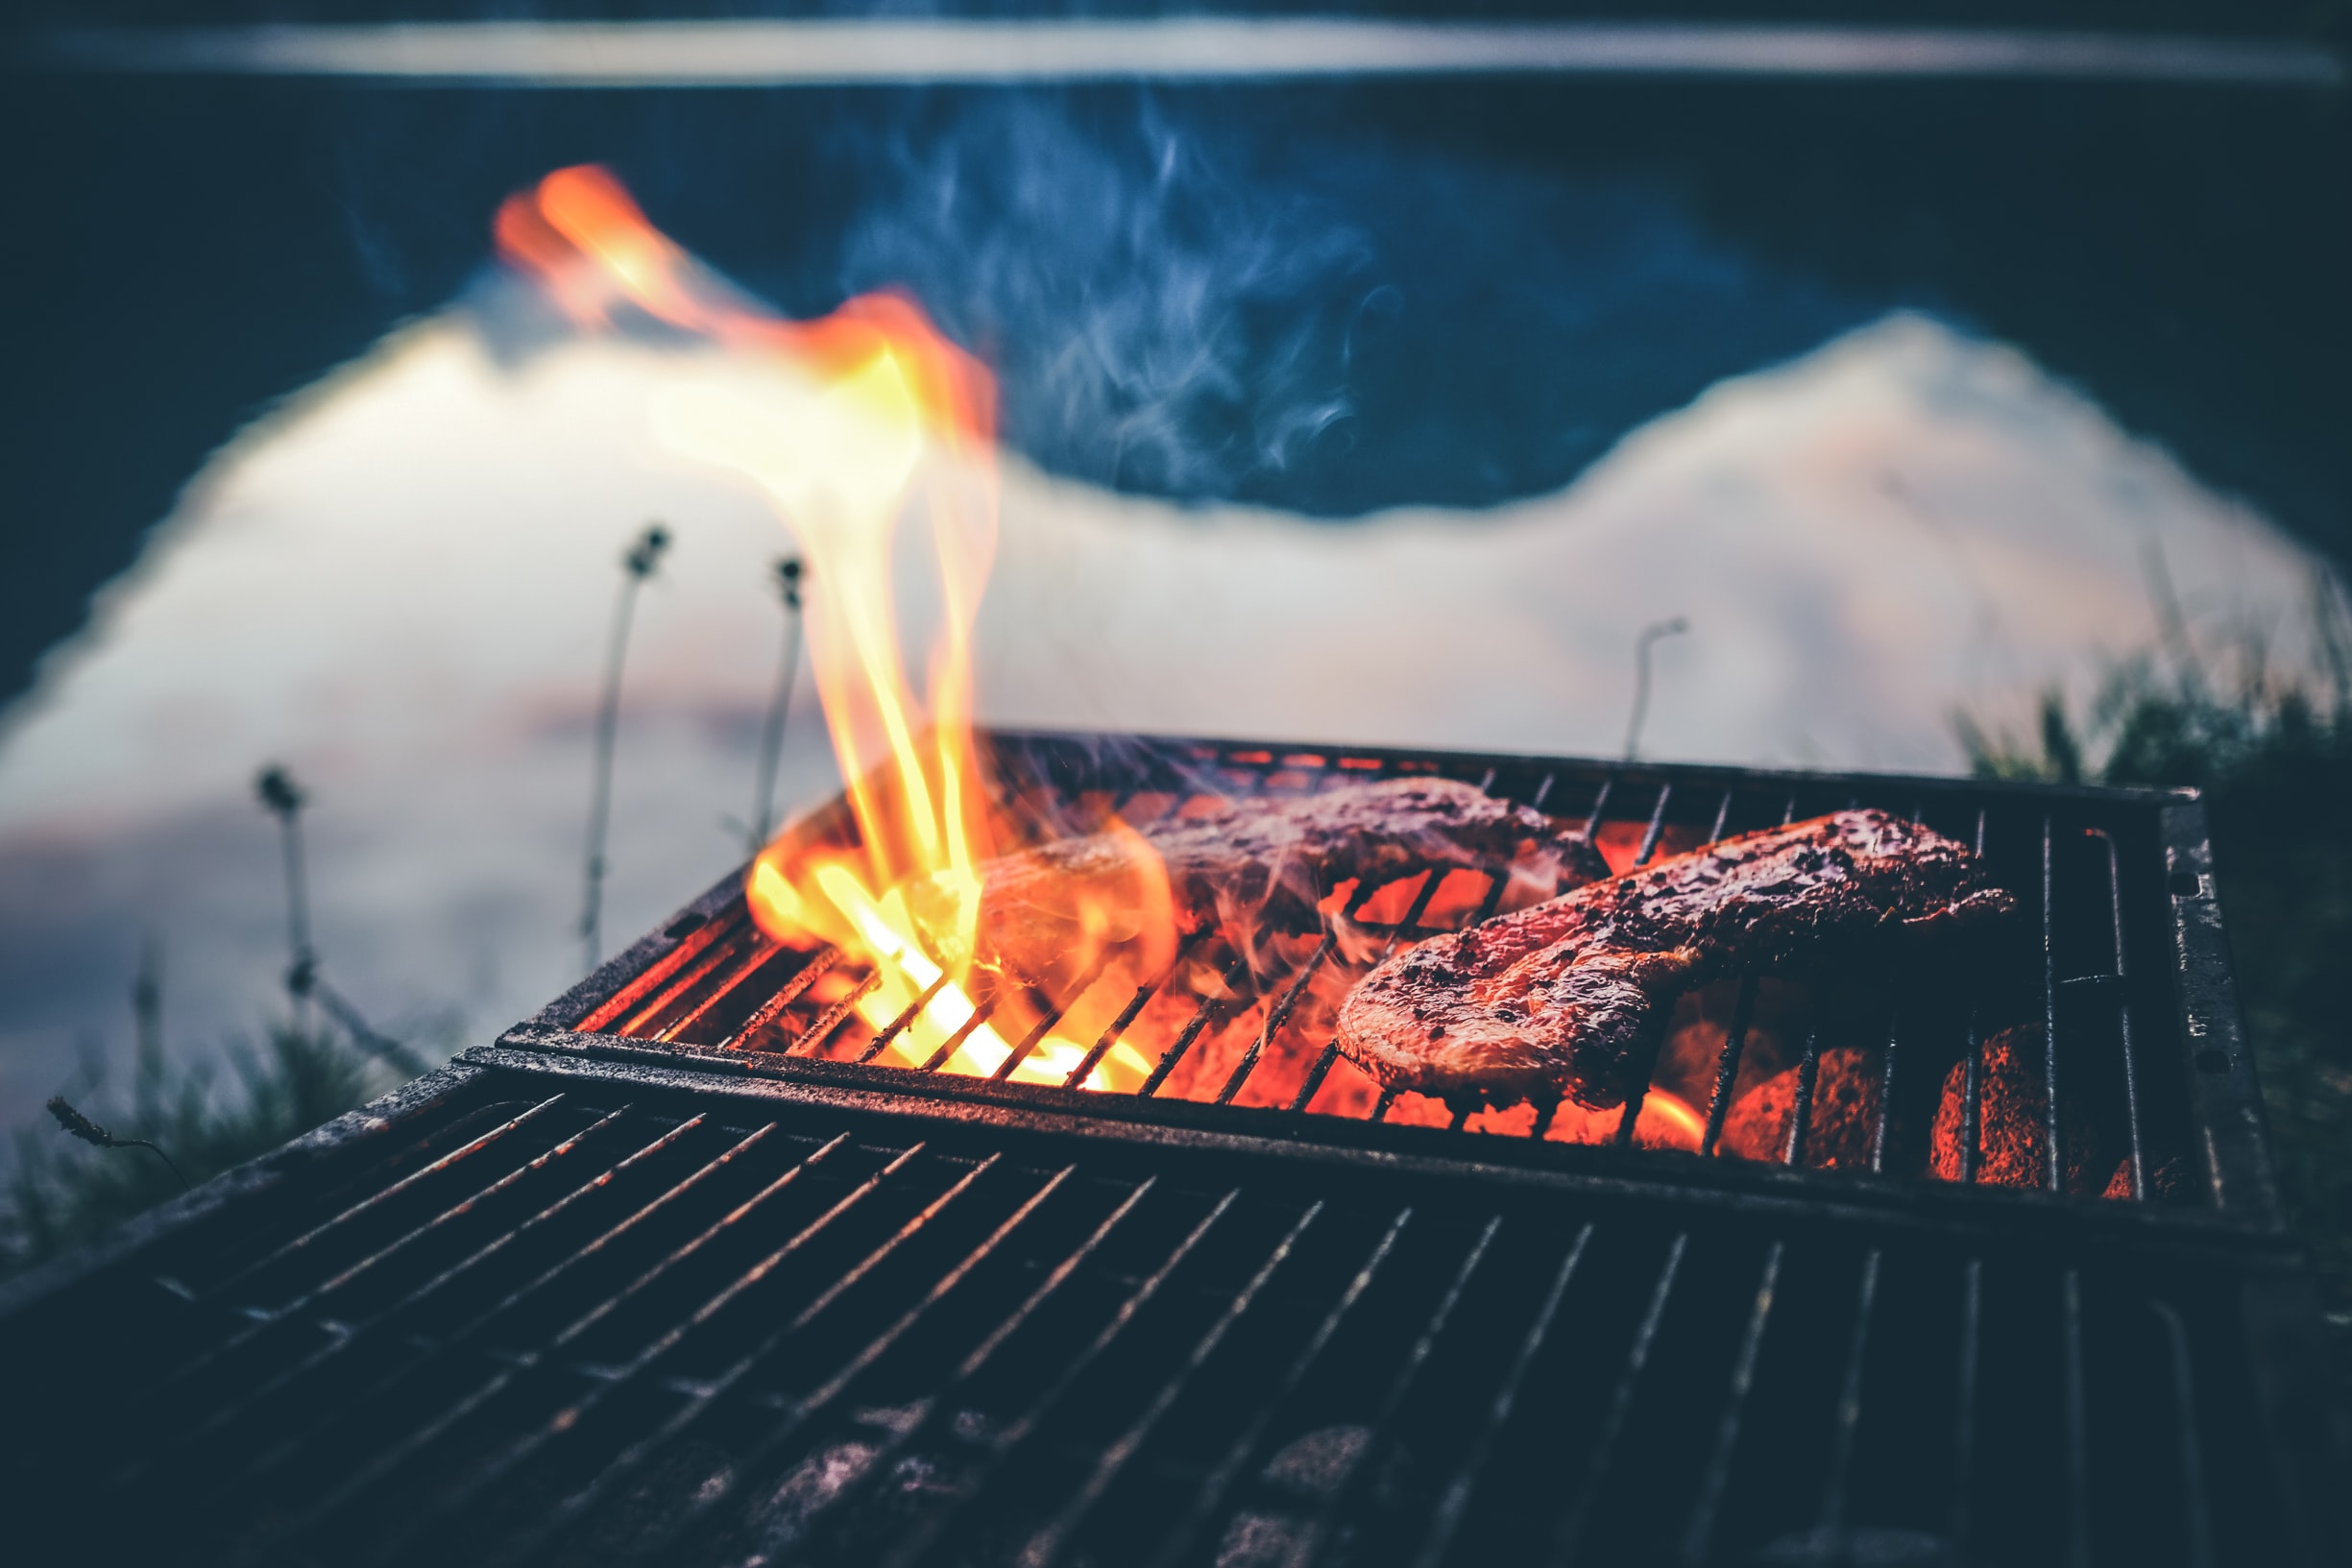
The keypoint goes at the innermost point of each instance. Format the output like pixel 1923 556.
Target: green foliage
pixel 64 1192
pixel 2276 767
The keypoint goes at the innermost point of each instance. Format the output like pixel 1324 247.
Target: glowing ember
pixel 848 427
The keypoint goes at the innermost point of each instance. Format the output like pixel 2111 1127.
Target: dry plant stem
pixel 636 566
pixel 81 1126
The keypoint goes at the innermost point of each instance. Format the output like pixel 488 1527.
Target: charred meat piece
pixel 1261 865
pixel 1571 996
pixel 1839 1129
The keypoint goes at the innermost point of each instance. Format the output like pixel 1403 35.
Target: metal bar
pixel 1048 1543
pixel 1384 1416
pixel 1972 1103
pixel 1387 1099
pixel 2049 1011
pixel 1629 1119
pixel 1209 1492
pixel 1135 1008
pixel 786 994
pixel 1571 1529
pixel 718 954
pixel 1447 1517
pixel 1801 1109
pixel 269 1459
pixel 1964 1408
pixel 2078 1436
pixel 2122 1011
pixel 1699 1534
pixel 488 1471
pixel 692 943
pixel 383 1196
pixel 905 1018
pixel 928 1409
pixel 757 958
pixel 1279 1014
pixel 387 1458
pixel 1722 815
pixel 831 1017
pixel 244 1398
pixel 1497 883
pixel 982 1011
pixel 1886 1093
pixel 2196 1513
pixel 1052 1016
pixel 974 1482
pixel 1850 1398
pixel 1542 790
pixel 1600 802
pixel 1210 1004
pixel 1413 916
pixel 633 1456
pixel 1727 1065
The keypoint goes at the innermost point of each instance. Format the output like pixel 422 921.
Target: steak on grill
pixel 1571 996
pixel 1260 865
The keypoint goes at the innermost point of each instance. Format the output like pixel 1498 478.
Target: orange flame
pixel 843 426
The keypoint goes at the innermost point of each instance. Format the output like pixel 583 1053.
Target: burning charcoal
pixel 2167 1183
pixel 1840 1129
pixel 1572 995
pixel 2012 1137
pixel 1250 867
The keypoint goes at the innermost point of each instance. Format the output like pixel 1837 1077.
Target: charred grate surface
pixel 2111 987
pixel 566 1312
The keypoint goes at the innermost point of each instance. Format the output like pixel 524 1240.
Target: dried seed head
pixel 79 1126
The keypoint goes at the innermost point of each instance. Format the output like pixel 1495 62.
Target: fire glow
pixel 852 429
pixel 847 427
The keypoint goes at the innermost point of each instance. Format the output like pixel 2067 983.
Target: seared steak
pixel 1260 866
pixel 1569 997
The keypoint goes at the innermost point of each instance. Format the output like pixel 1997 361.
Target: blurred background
pixel 1970 387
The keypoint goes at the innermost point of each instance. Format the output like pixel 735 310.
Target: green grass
pixel 2276 767
pixel 62 1192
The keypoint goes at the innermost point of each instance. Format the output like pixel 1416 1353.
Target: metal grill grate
pixel 2111 884
pixel 564 1311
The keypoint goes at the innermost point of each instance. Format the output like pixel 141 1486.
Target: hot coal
pixel 1571 996
pixel 2013 1134
pixel 1840 1129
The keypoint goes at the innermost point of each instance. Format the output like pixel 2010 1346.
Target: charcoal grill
pixel 678 1272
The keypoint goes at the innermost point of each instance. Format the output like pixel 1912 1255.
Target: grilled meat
pixel 1259 866
pixel 1571 996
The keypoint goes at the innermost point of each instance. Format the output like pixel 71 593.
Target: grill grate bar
pixel 753 958
pixel 928 1410
pixel 1972 1094
pixel 1209 1495
pixel 974 1482
pixel 1591 829
pixel 1808 1072
pixel 786 994
pixel 488 1249
pixel 1052 1016
pixel 980 1013
pixel 2196 1513
pixel 2122 994
pixel 716 954
pixel 1225 994
pixel 1850 1397
pixel 1620 1406
pixel 634 1457
pixel 1727 1064
pixel 389 1457
pixel 385 1194
pixel 1277 1016
pixel 905 1018
pixel 1447 1517
pixel 521 1448
pixel 831 1018
pixel 1133 1010
pixel 2077 1439
pixel 1047 1544
pixel 657 973
pixel 2055 1147
pixel 1698 1536
pixel 1886 1093
pixel 1964 1406
pixel 1412 920
pixel 1361 1465
pixel 1631 1117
